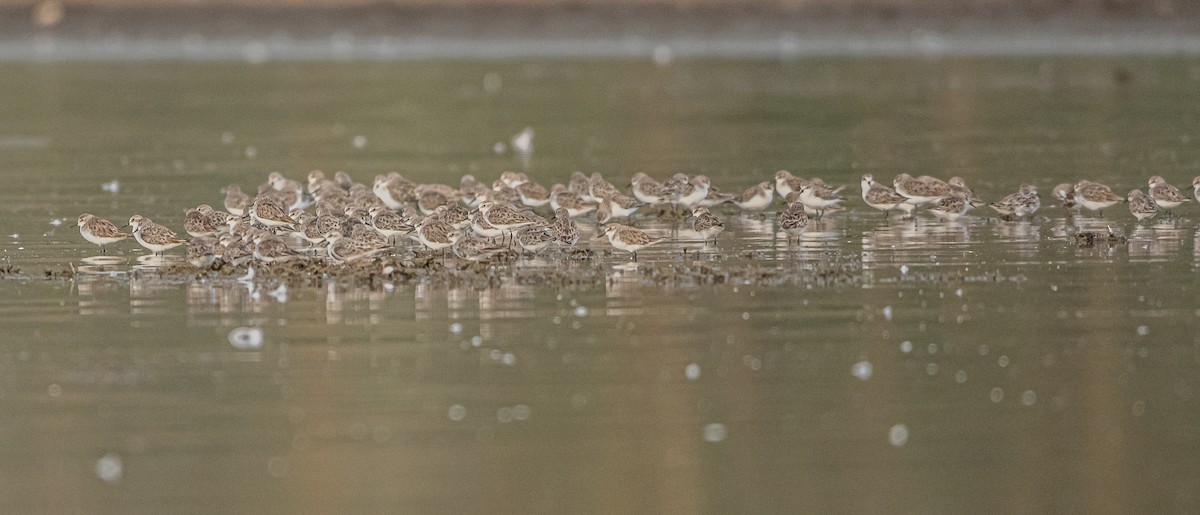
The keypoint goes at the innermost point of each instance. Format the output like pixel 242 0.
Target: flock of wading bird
pixel 352 221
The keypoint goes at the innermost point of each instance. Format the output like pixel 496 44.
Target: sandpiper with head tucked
pixel 1095 196
pixel 1141 205
pixel 758 197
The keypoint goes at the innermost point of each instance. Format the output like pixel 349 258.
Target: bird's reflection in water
pixel 1022 235
pixel 914 241
pixel 1157 242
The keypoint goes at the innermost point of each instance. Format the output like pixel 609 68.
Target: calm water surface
pixel 975 367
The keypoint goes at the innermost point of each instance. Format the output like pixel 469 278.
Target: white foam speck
pixel 692 372
pixel 898 435
pixel 109 468
pixel 360 141
pixel 887 313
pixel 112 186
pixel 456 328
pixel 246 338
pixel 581 311
pixel 714 432
pixel 1143 330
pixel 457 412
pixel 906 347
pixel 862 370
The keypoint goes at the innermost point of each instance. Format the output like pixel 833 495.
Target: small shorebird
pixel 436 235
pixel 388 223
pixel 648 190
pixel 269 213
pixel 196 221
pixel 236 202
pixel 949 208
pixel 504 217
pixel 532 194
pixel 786 183
pixel 757 198
pixel 715 197
pixel 99 231
pixel 622 206
pixel 1141 205
pixel 475 249
pixel 566 231
pixel 793 220
pixel 561 197
pixel 535 238
pixel 1095 196
pixel 1165 195
pixel 1065 194
pixel 599 189
pixel 922 190
pixel 154 237
pixel 958 185
pixel 1019 205
pixel 882 197
pixel 346 249
pixel 707 224
pixel 819 198
pixel 628 239
pixel 272 249
pixel 202 252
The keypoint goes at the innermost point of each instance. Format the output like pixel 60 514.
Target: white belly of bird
pixel 155 248
pixel 1095 206
pixel 381 191
pixel 694 197
pixel 98 240
pixel 620 212
pixel 756 203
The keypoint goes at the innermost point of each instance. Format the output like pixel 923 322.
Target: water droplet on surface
pixel 582 311
pixel 109 468
pixel 692 372
pixel 898 435
pixel 960 376
pixel 887 313
pixel 1028 398
pixel 996 394
pixel 862 370
pixel 246 338
pixel 457 412
pixel 456 328
pixel 1143 330
pixel 54 390
pixel 714 432
pixel 360 141
pixel 476 341
pixel 903 269
pixel 906 347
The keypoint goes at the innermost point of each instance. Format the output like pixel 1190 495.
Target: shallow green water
pixel 1037 377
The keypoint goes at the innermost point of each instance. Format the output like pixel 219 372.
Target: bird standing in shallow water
pixel 793 221
pixel 629 239
pixel 707 224
pixel 1095 196
pixel 99 231
pixel 1141 205
pixel 156 238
